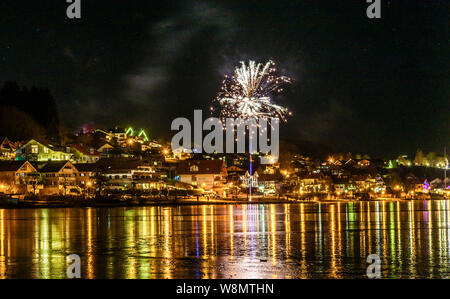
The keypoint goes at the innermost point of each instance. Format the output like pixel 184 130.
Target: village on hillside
pixel 124 164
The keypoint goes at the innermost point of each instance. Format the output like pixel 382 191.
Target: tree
pixel 431 158
pixel 419 158
pixel 36 104
pixel 18 125
pixel 403 161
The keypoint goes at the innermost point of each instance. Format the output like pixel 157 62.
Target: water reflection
pixel 305 240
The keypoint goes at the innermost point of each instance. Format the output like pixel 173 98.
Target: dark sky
pixel 361 85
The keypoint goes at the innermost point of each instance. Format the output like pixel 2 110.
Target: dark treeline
pixel 28 113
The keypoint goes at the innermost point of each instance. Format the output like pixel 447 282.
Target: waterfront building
pixel 58 178
pixel 87 175
pixel 133 174
pixel 313 183
pixel 18 177
pixel 209 175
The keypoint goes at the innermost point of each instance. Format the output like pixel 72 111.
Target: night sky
pixel 362 85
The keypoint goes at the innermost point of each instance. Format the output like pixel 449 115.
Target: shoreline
pixel 29 204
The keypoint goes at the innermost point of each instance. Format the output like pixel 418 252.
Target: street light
pixel 88 184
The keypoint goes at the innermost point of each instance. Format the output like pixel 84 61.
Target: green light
pixel 142 132
pixel 130 129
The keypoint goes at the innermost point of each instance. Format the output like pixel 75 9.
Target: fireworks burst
pixel 247 94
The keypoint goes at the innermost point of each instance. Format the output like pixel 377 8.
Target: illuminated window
pixel 194 168
pixel 34 149
pixel 46 150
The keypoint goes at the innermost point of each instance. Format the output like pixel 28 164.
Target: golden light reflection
pixel 333 242
pixel 90 254
pixel 167 243
pixel 287 226
pixel 229 241
pixel 231 230
pixel 44 245
pixel 273 230
pixel 2 245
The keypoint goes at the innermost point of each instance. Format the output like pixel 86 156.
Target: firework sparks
pixel 247 94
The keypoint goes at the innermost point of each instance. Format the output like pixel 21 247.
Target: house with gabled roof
pixel 18 177
pixel 105 149
pixel 88 174
pixel 42 151
pixel 205 174
pixel 7 149
pixel 313 182
pixel 84 155
pixel 59 178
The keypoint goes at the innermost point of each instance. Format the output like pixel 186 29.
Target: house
pixel 38 151
pixel 82 155
pixel 234 173
pixel 313 183
pixel 250 180
pixel 205 174
pixel 270 182
pixel 124 174
pixel 18 177
pixel 363 163
pixel 149 176
pixel 117 134
pixel 59 178
pixel 87 175
pixel 105 149
pixel 363 182
pixel 235 170
pixel 379 185
pixel 343 185
pixel 7 149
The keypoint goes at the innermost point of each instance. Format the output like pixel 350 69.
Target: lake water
pixel 304 240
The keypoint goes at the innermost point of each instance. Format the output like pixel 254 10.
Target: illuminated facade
pixel 36 151
pixel 82 155
pixel 17 177
pixel 208 175
pixel 59 178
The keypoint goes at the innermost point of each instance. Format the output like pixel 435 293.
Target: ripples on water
pixel 306 240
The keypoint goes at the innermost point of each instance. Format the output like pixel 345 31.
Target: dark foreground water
pixel 308 240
